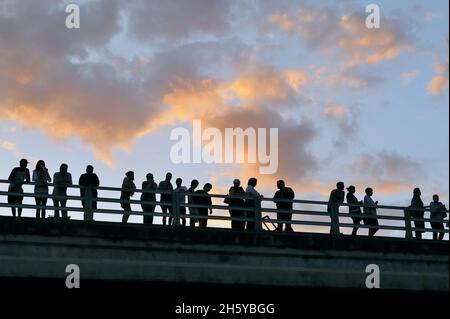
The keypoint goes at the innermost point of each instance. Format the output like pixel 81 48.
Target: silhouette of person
pixel 337 197
pixel 354 210
pixel 236 190
pixel 166 186
pixel 193 211
pixel 370 210
pixel 89 182
pixel 203 200
pixel 179 190
pixel 41 178
pixel 128 189
pixel 417 212
pixel 286 193
pixel 437 215
pixel 61 181
pixel 252 195
pixel 19 176
pixel 149 185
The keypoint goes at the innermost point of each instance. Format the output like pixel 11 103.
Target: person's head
pixel 340 186
pixel 351 189
pixel 417 192
pixel 236 183
pixel 280 184
pixel 252 182
pixel 207 187
pixel 369 191
pixel 178 182
pixel 130 175
pixel 435 198
pixel 63 168
pixel 149 177
pixel 194 183
pixel 23 163
pixel 89 169
pixel 168 177
pixel 40 165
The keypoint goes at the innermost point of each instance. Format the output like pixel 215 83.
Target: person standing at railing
pixel 61 181
pixel 251 192
pixel 418 212
pixel 438 212
pixel 149 185
pixel 285 193
pixel 180 192
pixel 337 197
pixel 354 210
pixel 166 209
pixel 19 176
pixel 128 189
pixel 370 210
pixel 236 190
pixel 193 211
pixel 89 182
pixel 203 200
pixel 41 178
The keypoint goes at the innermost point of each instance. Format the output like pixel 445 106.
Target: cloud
pixel 322 28
pixel 180 19
pixel 438 84
pixel 389 172
pixel 409 76
pixel 11 147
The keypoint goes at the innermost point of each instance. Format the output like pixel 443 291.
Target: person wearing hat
pixel 233 200
pixel 128 188
pixel 353 209
pixel 19 176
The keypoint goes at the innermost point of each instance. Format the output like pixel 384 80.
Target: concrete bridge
pixel 130 255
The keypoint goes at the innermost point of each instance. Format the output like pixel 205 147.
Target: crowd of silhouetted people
pixel 243 204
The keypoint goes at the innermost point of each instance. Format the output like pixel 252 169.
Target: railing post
pixel 258 219
pixel 408 229
pixel 335 219
pixel 88 212
pixel 176 208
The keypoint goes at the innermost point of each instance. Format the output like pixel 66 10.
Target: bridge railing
pixel 261 213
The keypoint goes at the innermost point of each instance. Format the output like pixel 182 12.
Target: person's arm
pixel 69 180
pixel 35 177
pixel 48 178
pixel 11 176
pixel 27 177
pixel 96 181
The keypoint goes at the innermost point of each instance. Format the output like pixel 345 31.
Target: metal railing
pixel 260 213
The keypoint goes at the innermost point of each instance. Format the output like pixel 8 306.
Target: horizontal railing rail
pixel 254 211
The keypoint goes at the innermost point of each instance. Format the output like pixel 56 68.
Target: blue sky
pixel 369 107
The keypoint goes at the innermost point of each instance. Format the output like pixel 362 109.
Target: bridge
pixel 260 262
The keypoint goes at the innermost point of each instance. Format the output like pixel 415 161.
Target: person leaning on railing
pixel 128 189
pixel 88 183
pixel 61 180
pixel 370 210
pixel 19 176
pixel 41 178
pixel 251 192
pixel 205 201
pixel 438 212
pixel 236 190
pixel 149 185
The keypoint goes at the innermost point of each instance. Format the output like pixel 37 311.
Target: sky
pixel 365 106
